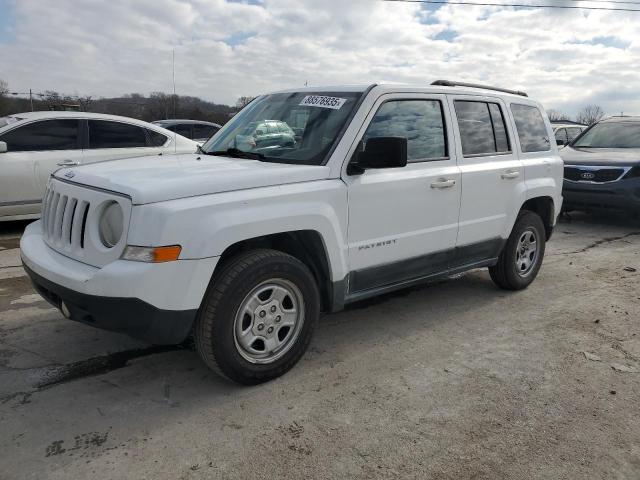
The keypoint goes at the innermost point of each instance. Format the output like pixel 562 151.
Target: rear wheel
pixel 258 316
pixel 521 257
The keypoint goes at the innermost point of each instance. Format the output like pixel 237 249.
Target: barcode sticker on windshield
pixel 323 102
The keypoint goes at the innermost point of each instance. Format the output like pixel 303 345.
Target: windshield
pixel 297 128
pixel 611 135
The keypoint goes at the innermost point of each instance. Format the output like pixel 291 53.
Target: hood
pixel 617 157
pixel 158 178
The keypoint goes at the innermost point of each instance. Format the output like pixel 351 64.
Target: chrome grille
pixel 70 217
pixel 64 220
pixel 591 174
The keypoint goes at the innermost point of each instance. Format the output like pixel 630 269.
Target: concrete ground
pixel 452 380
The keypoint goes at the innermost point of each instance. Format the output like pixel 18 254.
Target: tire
pixel 251 348
pixel 512 272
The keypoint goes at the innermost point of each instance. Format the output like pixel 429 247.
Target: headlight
pixel 111 224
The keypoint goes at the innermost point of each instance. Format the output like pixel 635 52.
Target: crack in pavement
pixel 53 375
pixel 597 243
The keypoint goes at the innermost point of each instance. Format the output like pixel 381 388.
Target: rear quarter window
pixel 532 131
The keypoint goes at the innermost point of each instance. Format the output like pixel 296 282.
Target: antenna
pixel 173 67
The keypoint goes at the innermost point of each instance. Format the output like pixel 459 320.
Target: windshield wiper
pixel 237 153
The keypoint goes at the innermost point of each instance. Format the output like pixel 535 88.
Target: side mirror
pixel 259 132
pixel 560 143
pixel 3 147
pixel 380 152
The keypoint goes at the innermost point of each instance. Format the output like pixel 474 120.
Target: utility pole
pixel 31 99
pixel 173 61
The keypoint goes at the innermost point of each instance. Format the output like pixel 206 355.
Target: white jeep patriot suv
pixel 243 244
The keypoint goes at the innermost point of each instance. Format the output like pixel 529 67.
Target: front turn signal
pixel 169 253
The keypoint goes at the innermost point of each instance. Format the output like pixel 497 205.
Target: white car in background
pixel 567 131
pixel 35 144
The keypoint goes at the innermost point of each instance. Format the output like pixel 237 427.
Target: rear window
pixel 482 128
pixel 107 134
pixel 156 139
pixel 43 136
pixel 532 131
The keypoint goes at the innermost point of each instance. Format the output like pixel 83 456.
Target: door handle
pixel 68 163
pixel 509 174
pixel 443 183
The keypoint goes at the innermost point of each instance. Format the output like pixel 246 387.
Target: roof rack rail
pixel 448 83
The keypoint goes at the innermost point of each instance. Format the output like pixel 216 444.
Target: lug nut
pixel 262 313
pixel 278 318
pixel 261 326
pixel 273 308
pixel 270 330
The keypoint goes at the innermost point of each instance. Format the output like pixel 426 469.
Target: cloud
pixel 226 49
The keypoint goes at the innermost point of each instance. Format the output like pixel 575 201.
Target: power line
pixel 521 5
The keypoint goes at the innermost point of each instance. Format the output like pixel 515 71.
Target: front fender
pixel 205 226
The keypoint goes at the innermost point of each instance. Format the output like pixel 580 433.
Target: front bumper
pixel 156 303
pixel 622 195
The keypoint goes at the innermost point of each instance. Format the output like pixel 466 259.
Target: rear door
pixel 493 185
pixel 34 151
pixel 111 140
pixel 403 221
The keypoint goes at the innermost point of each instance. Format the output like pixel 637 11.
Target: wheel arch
pixel 544 207
pixel 307 246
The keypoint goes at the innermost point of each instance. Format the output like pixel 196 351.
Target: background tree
pixel 556 116
pixel 243 102
pixel 4 90
pixel 590 114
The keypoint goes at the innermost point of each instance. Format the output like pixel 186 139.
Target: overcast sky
pixel 225 49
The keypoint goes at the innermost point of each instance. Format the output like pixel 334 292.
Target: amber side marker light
pixel 169 253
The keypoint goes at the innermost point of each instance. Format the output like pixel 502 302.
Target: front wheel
pixel 258 316
pixel 521 257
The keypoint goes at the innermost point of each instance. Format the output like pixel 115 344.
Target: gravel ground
pixel 453 380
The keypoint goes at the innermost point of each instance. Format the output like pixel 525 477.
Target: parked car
pixel 34 144
pixel 197 130
pixel 567 131
pixel 602 167
pixel 390 186
pixel 266 134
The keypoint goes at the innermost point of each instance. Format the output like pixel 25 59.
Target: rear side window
pixel 421 122
pixel 482 128
pixel 43 136
pixel 156 139
pixel 561 135
pixel 532 130
pixel 107 134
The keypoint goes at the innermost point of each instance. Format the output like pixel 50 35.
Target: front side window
pixel 532 131
pixel 43 136
pixel 314 124
pixel 108 134
pixel 203 131
pixel 183 129
pixel 482 128
pixel 611 135
pixel 421 122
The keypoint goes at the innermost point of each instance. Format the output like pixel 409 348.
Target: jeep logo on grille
pixel 587 176
pixel 70 174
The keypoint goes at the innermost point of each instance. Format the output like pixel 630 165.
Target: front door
pixel 403 222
